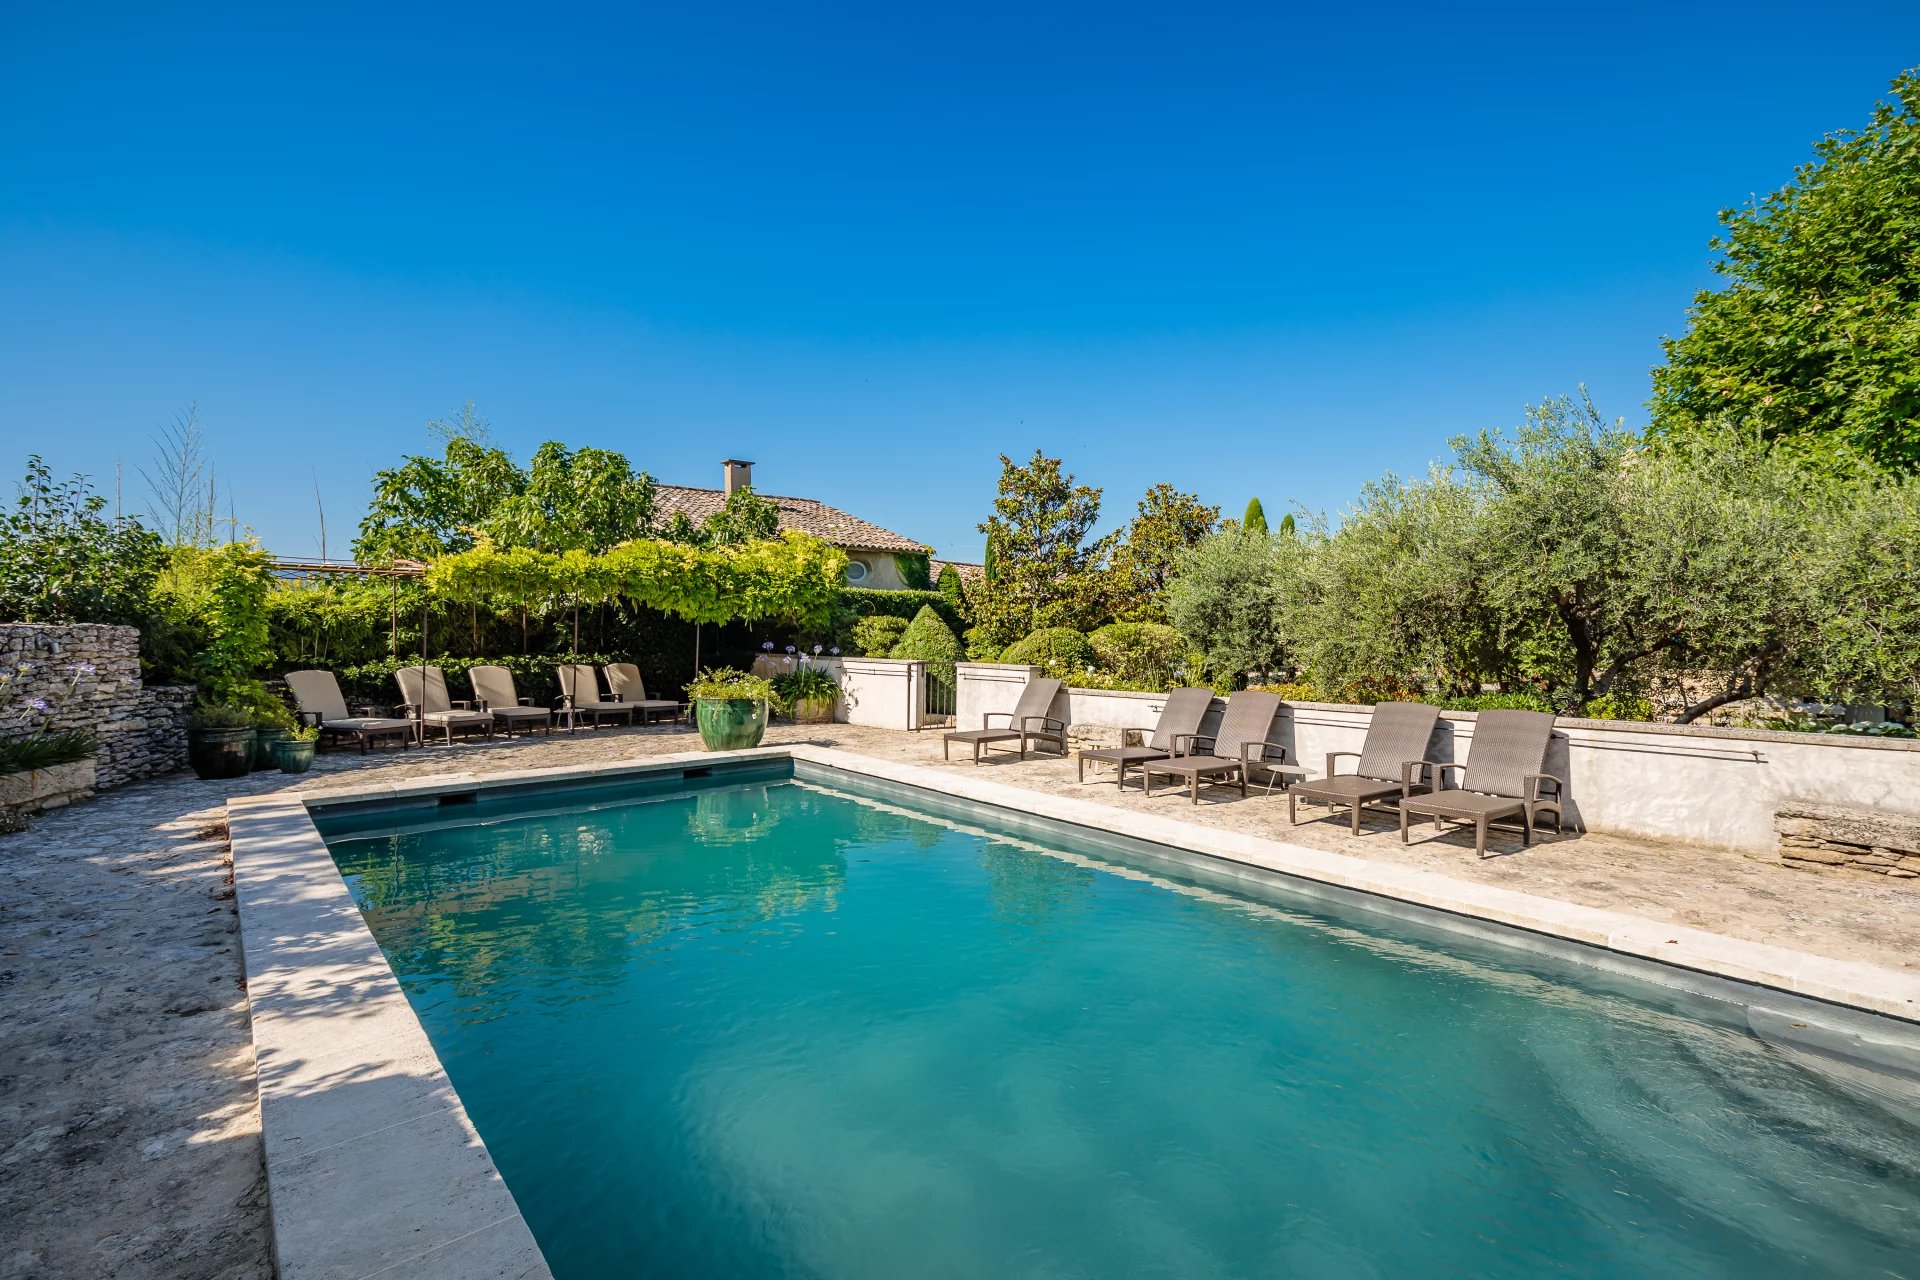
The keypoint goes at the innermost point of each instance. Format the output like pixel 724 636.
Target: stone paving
pixel 129 1130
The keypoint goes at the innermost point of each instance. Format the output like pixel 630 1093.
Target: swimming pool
pixel 771 1027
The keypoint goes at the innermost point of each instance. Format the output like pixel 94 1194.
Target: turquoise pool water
pixel 772 1030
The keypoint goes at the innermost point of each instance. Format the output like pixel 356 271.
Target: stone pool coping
pixel 373 1167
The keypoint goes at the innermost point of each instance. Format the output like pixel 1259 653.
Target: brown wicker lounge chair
pixel 1180 717
pixel 494 694
pixel 626 686
pixel 1031 720
pixel 580 696
pixel 318 695
pixel 1393 763
pixel 423 693
pixel 1505 776
pixel 1239 746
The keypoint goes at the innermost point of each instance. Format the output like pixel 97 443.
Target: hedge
pixel 867 602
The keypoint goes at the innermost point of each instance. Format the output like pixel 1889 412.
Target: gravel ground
pixel 129 1130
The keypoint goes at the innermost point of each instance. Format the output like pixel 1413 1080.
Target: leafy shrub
pixel 805 684
pixel 221 715
pixel 868 602
pixel 43 751
pixel 876 636
pixel 1060 652
pixel 1292 691
pixel 729 684
pixel 930 640
pixel 1618 706
pixel 1147 655
pixel 1519 700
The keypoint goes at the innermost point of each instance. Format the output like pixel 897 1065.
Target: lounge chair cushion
pixel 364 724
pixel 983 735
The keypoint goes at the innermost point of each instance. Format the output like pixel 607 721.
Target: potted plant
pixel 272 724
pixel 220 740
pixel 730 707
pixel 294 751
pixel 808 694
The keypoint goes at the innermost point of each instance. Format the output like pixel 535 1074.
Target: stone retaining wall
pixel 88 678
pixel 1872 840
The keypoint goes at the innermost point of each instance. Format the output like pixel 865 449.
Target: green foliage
pixel 428 507
pixel 1869 626
pixel 1046 570
pixel 44 750
pixel 1618 706
pixel 990 562
pixel 1255 520
pixel 1287 529
pixel 1060 652
pixel 221 715
pixel 1816 337
pixel 1168 525
pixel 795 578
pixel 743 518
pixel 1291 690
pixel 1226 600
pixel 1519 700
pixel 866 602
pixel 1144 655
pixel 728 684
pixel 62 561
pixel 568 500
pixel 916 571
pixel 930 640
pixel 217 596
pixel 804 684
pixel 953 590
pixel 876 635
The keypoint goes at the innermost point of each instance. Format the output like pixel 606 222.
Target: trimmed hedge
pixel 930 640
pixel 1060 652
pixel 1145 654
pixel 876 636
pixel 867 602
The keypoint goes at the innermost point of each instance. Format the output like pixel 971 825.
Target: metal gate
pixel 937 696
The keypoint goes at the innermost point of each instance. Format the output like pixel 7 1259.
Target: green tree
pixel 1255 520
pixel 61 560
pixel 1047 567
pixel 744 517
pixel 1168 525
pixel 427 506
pixel 584 500
pixel 1286 525
pixel 1226 599
pixel 952 589
pixel 1816 337
pixel 930 640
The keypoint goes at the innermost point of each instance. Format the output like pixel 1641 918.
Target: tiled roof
pixel 969 573
pixel 805 514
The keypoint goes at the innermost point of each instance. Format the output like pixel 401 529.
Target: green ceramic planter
pixel 220 753
pixel 730 724
pixel 294 755
pixel 264 742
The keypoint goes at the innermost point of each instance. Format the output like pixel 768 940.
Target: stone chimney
pixel 739 475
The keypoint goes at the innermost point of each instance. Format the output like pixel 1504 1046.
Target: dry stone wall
pixel 86 677
pixel 1824 836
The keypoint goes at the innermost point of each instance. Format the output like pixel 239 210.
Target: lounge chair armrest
pixel 986 721
pixel 1533 789
pixel 616 697
pixel 479 704
pixel 1046 722
pixel 526 702
pixel 469 704
pixel 1421 771
pixel 1256 752
pixel 1335 755
pixel 305 718
pixel 1440 774
pixel 1183 742
pixel 1131 737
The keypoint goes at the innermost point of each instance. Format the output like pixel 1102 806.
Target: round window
pixel 856 571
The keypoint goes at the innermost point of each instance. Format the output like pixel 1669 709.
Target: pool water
pixel 777 1030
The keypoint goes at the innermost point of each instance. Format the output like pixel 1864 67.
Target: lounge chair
pixel 1180 717
pixel 423 692
pixel 1029 721
pixel 1239 746
pixel 1505 776
pixel 580 696
pixel 1392 763
pixel 493 692
pixel 626 686
pixel 318 694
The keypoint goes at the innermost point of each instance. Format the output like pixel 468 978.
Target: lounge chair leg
pixel 1293 809
pixel 946 749
pixel 1480 837
pixel 1403 824
pixel 1355 811
pixel 1243 784
pixel 1196 786
pixel 1526 829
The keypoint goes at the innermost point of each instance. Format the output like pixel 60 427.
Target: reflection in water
pixel 774 1031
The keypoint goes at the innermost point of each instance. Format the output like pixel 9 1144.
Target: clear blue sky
pixel 1245 250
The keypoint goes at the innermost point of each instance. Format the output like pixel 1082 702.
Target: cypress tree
pixel 1255 521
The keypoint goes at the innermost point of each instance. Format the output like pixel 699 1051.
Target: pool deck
pixel 129 1124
